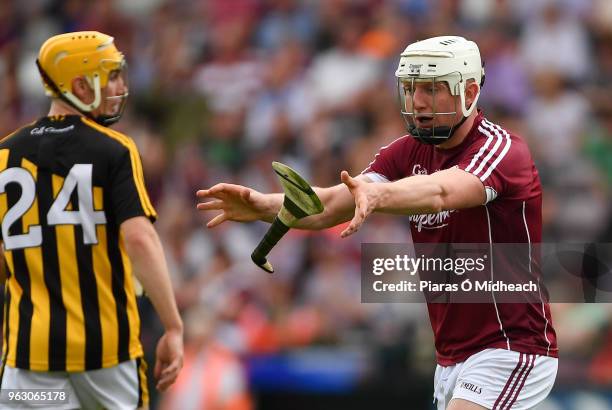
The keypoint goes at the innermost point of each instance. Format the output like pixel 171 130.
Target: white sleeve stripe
pixel 497 129
pixel 491 194
pixel 491 152
pixel 375 176
pixel 482 150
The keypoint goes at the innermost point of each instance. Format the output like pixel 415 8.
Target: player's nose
pixel 122 87
pixel 420 100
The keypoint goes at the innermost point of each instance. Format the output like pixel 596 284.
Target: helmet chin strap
pixel 434 135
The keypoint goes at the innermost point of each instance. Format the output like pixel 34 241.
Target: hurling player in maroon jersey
pixel 461 179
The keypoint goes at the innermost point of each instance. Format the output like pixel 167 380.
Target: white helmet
pixel 451 59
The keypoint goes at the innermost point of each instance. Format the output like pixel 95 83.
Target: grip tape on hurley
pixel 274 234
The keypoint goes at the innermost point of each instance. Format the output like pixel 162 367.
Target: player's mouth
pixel 423 121
pixel 113 107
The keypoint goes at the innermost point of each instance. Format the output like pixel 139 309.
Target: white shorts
pixel 497 379
pixel 119 387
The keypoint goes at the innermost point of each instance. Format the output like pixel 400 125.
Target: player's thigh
pixel 501 379
pixel 123 386
pixel 445 379
pixel 19 387
pixel 461 404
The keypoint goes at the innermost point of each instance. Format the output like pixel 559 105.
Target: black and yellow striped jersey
pixel 66 185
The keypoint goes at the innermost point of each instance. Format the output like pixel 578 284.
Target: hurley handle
pixel 274 234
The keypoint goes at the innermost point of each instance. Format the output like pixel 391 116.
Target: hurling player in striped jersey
pixel 480 182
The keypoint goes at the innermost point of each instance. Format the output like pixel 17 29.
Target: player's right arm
pixel 243 204
pixel 134 214
pixel 145 251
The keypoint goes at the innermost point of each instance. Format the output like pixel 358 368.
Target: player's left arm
pixel 423 194
pixel 419 194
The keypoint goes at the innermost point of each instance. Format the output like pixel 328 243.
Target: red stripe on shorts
pixel 516 381
pixel 518 391
pixel 518 366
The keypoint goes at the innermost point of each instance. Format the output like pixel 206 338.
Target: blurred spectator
pixel 213 378
pixel 598 143
pixel 507 84
pixel 340 79
pixel 556 40
pixel 285 21
pixel 599 86
pixel 556 117
pixel 285 105
pixel 602 17
pixel 339 75
pixel 332 286
pixel 233 74
pixel 477 12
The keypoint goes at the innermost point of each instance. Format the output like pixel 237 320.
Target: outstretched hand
pixel 366 199
pixel 237 203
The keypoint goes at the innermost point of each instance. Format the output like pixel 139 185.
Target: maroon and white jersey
pixel 512 214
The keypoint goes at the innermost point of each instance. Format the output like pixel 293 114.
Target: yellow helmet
pixel 65 57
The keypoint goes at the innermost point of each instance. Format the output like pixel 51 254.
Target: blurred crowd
pixel 221 88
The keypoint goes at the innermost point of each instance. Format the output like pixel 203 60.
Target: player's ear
pixel 471 91
pixel 82 90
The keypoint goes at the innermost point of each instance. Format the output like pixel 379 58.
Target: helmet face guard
pixel 113 106
pixel 435 134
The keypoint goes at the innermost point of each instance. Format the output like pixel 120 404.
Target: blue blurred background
pixel 220 88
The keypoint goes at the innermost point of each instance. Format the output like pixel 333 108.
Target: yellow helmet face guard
pixel 88 54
